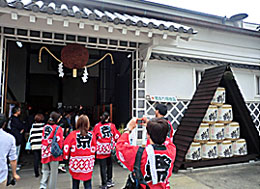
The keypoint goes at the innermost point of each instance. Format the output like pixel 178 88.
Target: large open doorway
pixel 39 85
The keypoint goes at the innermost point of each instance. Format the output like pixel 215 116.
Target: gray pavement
pixel 225 177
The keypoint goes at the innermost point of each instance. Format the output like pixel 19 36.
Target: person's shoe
pixel 110 184
pixel 62 169
pixel 103 187
pixel 37 175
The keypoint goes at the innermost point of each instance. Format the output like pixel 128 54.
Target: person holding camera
pixel 8 150
pixel 157 159
pixel 106 135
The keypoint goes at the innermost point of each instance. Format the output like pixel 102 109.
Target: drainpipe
pixel 162 16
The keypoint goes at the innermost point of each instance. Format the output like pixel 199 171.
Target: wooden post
pixel 111 112
pixel 98 112
pixel 103 108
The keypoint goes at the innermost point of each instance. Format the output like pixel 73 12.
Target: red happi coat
pixel 165 157
pixel 81 150
pixel 47 136
pixel 106 135
pixel 170 132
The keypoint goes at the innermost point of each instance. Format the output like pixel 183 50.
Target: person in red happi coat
pixel 49 162
pixel 80 148
pixel 106 135
pixel 158 157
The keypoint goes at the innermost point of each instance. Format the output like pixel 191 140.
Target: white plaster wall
pixel 247 84
pixel 215 45
pixel 178 79
pixel 168 78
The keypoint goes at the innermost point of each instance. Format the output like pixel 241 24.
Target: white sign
pixel 157 98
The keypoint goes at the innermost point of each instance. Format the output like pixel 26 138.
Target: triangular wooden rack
pixel 211 80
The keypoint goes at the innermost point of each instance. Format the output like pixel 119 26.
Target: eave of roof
pixel 80 10
pixel 156 56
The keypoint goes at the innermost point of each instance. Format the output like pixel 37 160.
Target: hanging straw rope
pixel 87 66
pixel 40 55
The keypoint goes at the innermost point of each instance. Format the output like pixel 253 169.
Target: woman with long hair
pixel 49 162
pixel 106 135
pixel 36 140
pixel 80 148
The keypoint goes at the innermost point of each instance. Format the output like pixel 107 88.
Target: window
pixel 198 75
pixel 258 85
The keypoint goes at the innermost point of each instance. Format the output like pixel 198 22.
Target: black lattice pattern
pixel 175 111
pixel 254 109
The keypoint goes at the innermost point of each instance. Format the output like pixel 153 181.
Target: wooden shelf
pixel 222 161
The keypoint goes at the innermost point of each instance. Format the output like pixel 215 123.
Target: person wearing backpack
pixel 106 135
pixel 80 148
pixel 156 161
pixel 52 143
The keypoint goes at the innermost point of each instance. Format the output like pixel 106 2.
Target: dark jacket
pixel 16 127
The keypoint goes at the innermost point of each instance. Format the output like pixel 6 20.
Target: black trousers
pixel 105 170
pixel 75 184
pixel 37 161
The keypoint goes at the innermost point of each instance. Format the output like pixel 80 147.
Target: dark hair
pixel 2 120
pixel 54 116
pixel 104 117
pixel 39 118
pixel 15 109
pixel 83 124
pixel 157 128
pixel 162 109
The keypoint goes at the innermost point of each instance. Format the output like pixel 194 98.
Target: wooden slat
pixel 215 69
pixel 197 106
pixel 205 97
pixel 196 111
pixel 207 77
pixel 185 133
pixel 207 93
pixel 189 114
pixel 191 129
pixel 203 163
pixel 184 138
pixel 181 153
pixel 210 85
pixel 176 142
pixel 194 102
pixel 189 119
pixel 215 80
pixel 208 89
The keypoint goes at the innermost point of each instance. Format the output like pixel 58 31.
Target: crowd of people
pixel 82 146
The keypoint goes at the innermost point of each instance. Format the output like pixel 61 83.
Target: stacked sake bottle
pixel 217 136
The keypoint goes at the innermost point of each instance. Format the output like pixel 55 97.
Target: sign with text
pixel 159 98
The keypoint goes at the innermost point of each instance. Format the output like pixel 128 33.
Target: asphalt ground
pixel 244 175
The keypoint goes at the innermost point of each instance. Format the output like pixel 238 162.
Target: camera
pixel 140 122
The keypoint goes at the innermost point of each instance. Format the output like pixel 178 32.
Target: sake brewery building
pixel 159 52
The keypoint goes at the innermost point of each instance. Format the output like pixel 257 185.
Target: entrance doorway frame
pixel 123 46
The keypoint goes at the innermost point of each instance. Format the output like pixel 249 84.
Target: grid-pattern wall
pixel 2 71
pixel 175 111
pixel 138 88
pixel 254 109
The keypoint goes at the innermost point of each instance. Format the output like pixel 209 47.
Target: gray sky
pixel 219 7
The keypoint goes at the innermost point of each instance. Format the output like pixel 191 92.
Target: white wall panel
pixel 167 78
pixel 246 83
